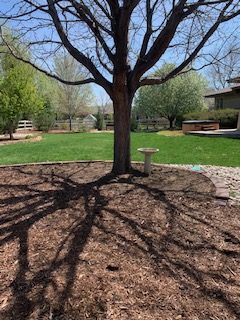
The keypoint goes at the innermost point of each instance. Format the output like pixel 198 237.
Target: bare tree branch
pixel 99 79
pixel 51 75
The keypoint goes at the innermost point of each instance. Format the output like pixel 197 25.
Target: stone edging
pixel 221 193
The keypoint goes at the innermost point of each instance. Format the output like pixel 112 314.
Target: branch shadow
pixel 184 235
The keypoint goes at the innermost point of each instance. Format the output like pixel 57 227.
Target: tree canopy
pixel 173 98
pixel 71 100
pixel 18 92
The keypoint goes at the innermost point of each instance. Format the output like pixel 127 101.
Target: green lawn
pixel 98 146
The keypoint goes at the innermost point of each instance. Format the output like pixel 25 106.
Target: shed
pixel 89 121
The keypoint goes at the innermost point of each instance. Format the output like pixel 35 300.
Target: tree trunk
pixel 10 131
pixel 11 135
pixel 171 120
pixel 70 123
pixel 122 122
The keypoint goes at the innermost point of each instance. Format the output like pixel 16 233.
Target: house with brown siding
pixel 227 97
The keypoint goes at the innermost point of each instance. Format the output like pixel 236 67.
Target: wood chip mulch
pixel 78 243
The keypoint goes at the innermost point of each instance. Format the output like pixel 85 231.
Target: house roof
pixel 222 91
pixel 90 117
pixel 234 80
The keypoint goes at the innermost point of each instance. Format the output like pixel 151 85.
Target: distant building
pixel 89 121
pixel 227 97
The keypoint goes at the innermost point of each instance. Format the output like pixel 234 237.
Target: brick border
pixel 221 193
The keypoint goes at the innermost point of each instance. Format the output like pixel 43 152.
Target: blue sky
pixel 99 92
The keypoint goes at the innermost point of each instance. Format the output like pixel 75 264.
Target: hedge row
pixel 227 117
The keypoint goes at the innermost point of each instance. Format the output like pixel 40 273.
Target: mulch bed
pixel 78 243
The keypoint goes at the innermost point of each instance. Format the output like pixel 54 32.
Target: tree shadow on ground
pixel 179 251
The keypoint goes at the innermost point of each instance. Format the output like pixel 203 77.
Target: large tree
pixel 172 99
pixel 71 100
pixel 118 41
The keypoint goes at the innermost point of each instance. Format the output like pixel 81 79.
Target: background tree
pixel 104 112
pixel 225 66
pixel 173 98
pixel 71 100
pixel 18 92
pixel 47 90
pixel 119 41
pixel 100 123
pixel 44 118
pixel 105 107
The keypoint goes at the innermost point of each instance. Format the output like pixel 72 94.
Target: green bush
pixel 134 122
pixel 29 136
pixel 83 128
pixel 179 120
pixel 5 125
pixel 63 126
pixel 227 117
pixel 44 119
pixel 2 126
pixel 100 123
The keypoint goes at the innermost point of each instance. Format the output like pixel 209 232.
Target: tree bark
pixel 10 131
pixel 11 134
pixel 171 120
pixel 70 123
pixel 122 127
